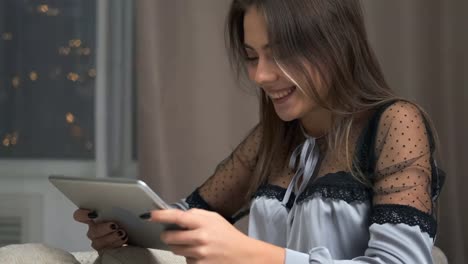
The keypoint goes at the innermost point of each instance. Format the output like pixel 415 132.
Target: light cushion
pixel 127 255
pixel 35 253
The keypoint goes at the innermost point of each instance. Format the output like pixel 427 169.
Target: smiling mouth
pixel 282 94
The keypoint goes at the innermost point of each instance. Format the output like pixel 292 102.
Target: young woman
pixel 338 170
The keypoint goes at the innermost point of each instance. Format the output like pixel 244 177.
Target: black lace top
pixel 393 147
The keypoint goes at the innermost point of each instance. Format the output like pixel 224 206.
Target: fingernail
pixel 92 215
pixel 113 226
pixel 145 216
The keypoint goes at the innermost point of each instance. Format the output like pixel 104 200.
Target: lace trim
pixel 336 186
pixel 274 192
pixel 403 214
pixel 194 200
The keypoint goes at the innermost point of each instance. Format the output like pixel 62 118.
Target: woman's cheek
pixel 251 71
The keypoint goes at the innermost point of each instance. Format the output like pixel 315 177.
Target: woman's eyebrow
pixel 264 47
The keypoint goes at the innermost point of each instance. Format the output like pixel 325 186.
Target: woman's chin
pixel 286 117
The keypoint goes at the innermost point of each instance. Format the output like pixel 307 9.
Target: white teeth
pixel 281 94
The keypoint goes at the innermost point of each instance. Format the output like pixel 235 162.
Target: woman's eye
pixel 251 59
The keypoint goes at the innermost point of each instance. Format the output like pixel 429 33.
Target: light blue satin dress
pixel 335 218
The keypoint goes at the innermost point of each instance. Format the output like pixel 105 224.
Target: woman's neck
pixel 317 123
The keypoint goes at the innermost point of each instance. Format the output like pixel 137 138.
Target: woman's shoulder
pixel 397 128
pixel 397 117
pixel 400 110
pixel 404 120
pixel 397 109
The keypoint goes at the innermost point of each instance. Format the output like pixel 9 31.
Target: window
pixel 66 87
pixel 47 79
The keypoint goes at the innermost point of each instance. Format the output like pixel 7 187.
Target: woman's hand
pixel 209 238
pixel 102 235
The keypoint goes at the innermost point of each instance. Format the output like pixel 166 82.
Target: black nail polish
pixel 92 215
pixel 145 216
pixel 113 226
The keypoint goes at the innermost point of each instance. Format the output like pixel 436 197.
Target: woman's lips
pixel 283 95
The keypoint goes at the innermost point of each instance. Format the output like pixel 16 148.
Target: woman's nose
pixel 267 72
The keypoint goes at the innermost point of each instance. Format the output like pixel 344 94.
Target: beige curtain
pixel 191 113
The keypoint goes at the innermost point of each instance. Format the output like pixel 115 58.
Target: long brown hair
pixel 330 37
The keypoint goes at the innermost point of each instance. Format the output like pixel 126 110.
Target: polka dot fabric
pixel 403 169
pixel 225 190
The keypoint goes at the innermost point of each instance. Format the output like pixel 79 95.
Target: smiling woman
pixel 319 208
pixel 338 170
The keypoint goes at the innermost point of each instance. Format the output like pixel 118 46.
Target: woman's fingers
pixel 120 242
pixel 112 240
pixel 186 219
pixel 201 212
pixel 193 253
pixel 170 216
pixel 101 229
pixel 185 237
pixel 84 216
pixel 102 235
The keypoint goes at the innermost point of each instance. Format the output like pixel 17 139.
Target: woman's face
pixel 290 102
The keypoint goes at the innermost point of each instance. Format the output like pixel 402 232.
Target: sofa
pixel 42 254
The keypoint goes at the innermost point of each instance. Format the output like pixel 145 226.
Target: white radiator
pixel 10 230
pixel 20 218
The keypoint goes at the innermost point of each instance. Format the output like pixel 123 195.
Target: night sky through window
pixel 47 79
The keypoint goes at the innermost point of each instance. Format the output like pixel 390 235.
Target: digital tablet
pixel 118 200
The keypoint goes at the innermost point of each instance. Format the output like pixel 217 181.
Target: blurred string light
pixel 6 141
pixel 75 46
pixel 10 140
pixel 92 73
pixel 70 118
pixel 74 43
pixel 42 8
pixel 73 76
pixel 84 51
pixel 14 139
pixel 75 130
pixel 64 51
pixel 47 10
pixel 33 76
pixel 15 82
pixel 7 36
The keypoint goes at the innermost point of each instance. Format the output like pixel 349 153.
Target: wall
pixel 47 213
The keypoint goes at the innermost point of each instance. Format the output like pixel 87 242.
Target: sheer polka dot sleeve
pixel 224 192
pixel 403 171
